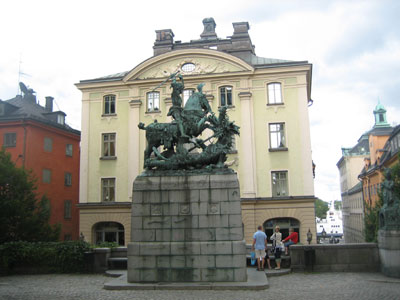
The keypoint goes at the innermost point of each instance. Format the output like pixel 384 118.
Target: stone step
pixel 281 272
pixel 117 263
pixel 119 252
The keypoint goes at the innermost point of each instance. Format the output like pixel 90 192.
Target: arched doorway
pixel 284 224
pixel 109 232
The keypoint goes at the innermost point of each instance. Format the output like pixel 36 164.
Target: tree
pixel 22 216
pixel 371 221
pixel 338 204
pixel 321 207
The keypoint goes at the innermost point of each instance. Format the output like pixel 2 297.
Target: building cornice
pixel 102 205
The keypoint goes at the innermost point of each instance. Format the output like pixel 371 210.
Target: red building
pixel 39 140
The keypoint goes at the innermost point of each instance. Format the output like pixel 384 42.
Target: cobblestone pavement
pixel 293 286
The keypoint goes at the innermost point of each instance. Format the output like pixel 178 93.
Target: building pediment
pixel 197 61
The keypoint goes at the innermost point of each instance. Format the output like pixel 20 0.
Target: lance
pixel 169 77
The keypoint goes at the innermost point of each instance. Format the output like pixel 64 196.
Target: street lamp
pixel 309 236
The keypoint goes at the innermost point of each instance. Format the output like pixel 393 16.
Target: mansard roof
pixel 23 108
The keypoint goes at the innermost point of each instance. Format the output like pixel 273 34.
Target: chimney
pixel 164 41
pixel 49 103
pixel 241 41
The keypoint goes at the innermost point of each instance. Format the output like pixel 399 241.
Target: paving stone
pixel 294 286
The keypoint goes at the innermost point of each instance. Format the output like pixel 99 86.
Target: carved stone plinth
pixel 187 228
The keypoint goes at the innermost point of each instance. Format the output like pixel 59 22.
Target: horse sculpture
pixel 192 120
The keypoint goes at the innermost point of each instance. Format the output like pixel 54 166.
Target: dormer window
pixel 2 109
pixel 60 119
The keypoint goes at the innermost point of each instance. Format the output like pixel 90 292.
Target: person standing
pixel 277 246
pixel 259 246
pixel 292 239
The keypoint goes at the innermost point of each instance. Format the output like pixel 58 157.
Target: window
pixel 60 119
pixel 48 144
pixel 188 67
pixel 279 184
pixel 10 139
pixel 225 94
pixel 109 145
pixel 67 179
pixel 186 94
pixel 109 104
pixel 68 150
pixel 284 224
pixel 274 93
pixel 233 148
pixel 67 237
pixel 108 189
pixel 67 209
pixel 46 176
pixel 109 232
pixel 277 135
pixel 2 109
pixel 153 101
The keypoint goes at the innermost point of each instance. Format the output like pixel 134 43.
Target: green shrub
pixel 60 257
pixel 106 245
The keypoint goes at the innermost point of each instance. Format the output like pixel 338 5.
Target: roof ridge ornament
pixel 209 29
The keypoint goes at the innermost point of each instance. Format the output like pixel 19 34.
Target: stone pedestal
pixel 187 229
pixel 389 252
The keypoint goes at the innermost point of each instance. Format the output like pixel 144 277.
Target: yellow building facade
pixel 267 98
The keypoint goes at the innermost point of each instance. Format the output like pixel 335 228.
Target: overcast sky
pixel 354 47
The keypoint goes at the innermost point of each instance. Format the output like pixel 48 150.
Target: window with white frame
pixel 60 119
pixel 279 182
pixel 225 96
pixel 277 136
pixel 108 189
pixel 10 139
pixel 108 144
pixel 186 95
pixel 274 93
pixel 188 67
pixel 109 232
pixel 153 101
pixel 109 105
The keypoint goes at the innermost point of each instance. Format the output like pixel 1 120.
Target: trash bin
pixel 309 258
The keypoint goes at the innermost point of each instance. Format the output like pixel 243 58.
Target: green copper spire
pixel 380 116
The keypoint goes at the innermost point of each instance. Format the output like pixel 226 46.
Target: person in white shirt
pixel 259 246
